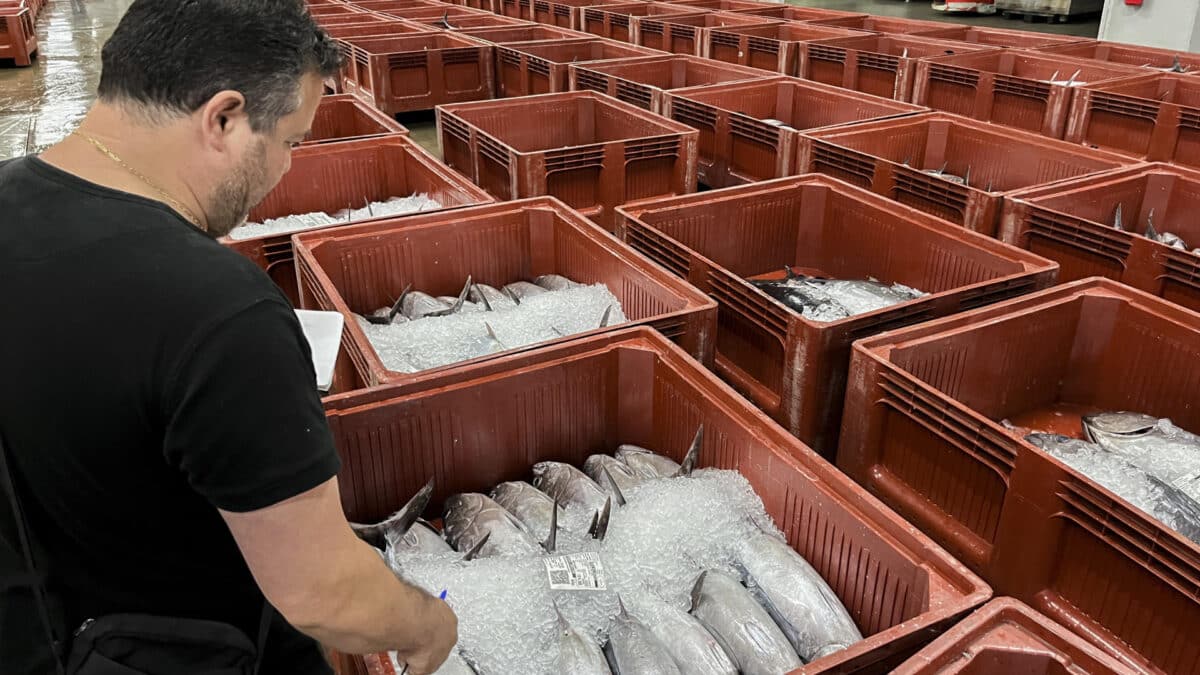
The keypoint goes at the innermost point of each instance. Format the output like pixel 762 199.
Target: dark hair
pixel 177 54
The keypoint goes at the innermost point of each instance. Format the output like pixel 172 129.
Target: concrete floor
pixel 41 104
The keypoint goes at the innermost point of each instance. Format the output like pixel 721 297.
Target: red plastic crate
pixel 881 24
pixel 517 9
pixel 344 117
pixel 720 5
pixel 922 431
pixel 686 34
pixel 542 67
pixel 1005 637
pixel 793 13
pixel 635 387
pixel 18 35
pixel 332 177
pixel 794 368
pixel 1152 116
pixel 1132 55
pixel 529 32
pixel 644 81
pixel 1072 223
pixel 565 13
pixel 475 21
pixel 1000 37
pixel 494 244
pixel 418 72
pixel 615 21
pixel 881 65
pixel 321 11
pixel 1009 87
pixel 378 26
pixel 336 20
pixel 426 13
pixel 773 47
pixel 891 157
pixel 738 146
pixel 591 151
pixel 384 6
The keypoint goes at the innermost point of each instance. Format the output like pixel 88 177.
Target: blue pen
pixel 443 594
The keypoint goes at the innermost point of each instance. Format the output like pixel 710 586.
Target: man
pixel 158 403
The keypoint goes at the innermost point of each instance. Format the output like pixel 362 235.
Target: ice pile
pixel 394 206
pixel 433 341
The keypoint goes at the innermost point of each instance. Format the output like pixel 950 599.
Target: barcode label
pixel 575 572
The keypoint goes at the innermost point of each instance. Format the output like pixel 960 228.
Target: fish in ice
pixel 632 648
pixel 490 297
pixel 472 518
pixel 832 299
pixel 568 485
pixel 388 532
pixel 694 649
pixel 1165 502
pixel 418 305
pixel 611 474
pixel 521 290
pixel 555 282
pixel 1155 445
pixel 649 465
pixel 797 598
pixel 455 665
pixel 534 508
pixel 577 655
pixel 393 314
pixel 743 628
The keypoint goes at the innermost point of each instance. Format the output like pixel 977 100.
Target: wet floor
pixel 41 104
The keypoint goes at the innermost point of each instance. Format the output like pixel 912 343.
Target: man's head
pixel 239 79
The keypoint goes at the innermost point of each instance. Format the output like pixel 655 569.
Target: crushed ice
pixel 394 206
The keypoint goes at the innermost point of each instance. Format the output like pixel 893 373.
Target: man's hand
pixel 428 656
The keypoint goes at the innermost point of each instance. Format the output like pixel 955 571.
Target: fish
pixel 605 468
pixel 418 305
pixel 522 290
pixel 577 655
pixel 534 508
pixel 796 597
pixel 632 648
pixel 741 626
pixel 652 465
pixel 491 298
pixel 694 649
pixel 1154 445
pixel 834 299
pixel 472 516
pixel 1167 503
pixel 599 526
pixel 393 314
pixel 444 22
pixel 555 282
pixel 422 538
pixel 568 485
pixel 390 530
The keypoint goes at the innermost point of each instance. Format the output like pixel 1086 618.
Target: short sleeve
pixel 245 424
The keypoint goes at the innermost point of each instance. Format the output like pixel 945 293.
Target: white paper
pixel 575 572
pixel 324 333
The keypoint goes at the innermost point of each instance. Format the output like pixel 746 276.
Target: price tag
pixel 576 572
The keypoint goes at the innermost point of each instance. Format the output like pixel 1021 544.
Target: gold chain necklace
pixel 185 211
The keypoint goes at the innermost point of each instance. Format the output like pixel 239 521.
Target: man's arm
pixel 334 587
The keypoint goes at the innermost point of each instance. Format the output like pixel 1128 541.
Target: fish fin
pixel 492 334
pixel 789 272
pixel 551 542
pixel 1151 233
pixel 377 320
pixel 474 552
pixel 607 314
pixel 693 454
pixel 602 520
pixel 458 302
pixel 595 521
pixel 967 177
pixel 904 54
pixel 400 521
pixel 696 589
pixel 511 296
pixel 487 306
pixel 399 302
pixel 1054 77
pixel 1119 217
pixel 624 613
pixel 616 489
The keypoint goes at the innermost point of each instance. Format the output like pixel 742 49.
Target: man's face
pixel 264 158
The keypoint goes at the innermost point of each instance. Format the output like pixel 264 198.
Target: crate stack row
pixel 575 136
pixel 18 31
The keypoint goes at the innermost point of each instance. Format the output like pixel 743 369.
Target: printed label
pixel 576 572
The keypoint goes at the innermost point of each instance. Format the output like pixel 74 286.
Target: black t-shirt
pixel 150 376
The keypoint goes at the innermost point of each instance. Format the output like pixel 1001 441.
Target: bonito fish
pixel 577 655
pixel 632 649
pixel 742 627
pixel 1155 445
pixel 475 520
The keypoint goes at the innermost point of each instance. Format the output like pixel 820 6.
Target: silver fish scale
pixel 646 463
pixel 524 289
pixel 744 629
pixel 568 485
pixel 417 305
pixel 1156 446
pixel 622 474
pixel 689 643
pixel 472 516
pixel 798 599
pixel 421 537
pixel 554 282
pixel 578 655
pixel 632 649
pixel 531 506
pixel 494 297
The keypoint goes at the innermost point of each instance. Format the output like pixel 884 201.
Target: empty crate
pixel 344 117
pixel 1000 37
pixel 331 177
pixel 616 21
pixel 687 34
pixel 882 65
pixel 1026 90
pixel 749 130
pixel 644 81
pixel 772 47
pixel 530 32
pixel 566 403
pixel 952 167
pixel 922 430
pixel 542 67
pixel 880 24
pixel 1005 636
pixel 793 13
pixel 18 35
pixel 417 72
pixel 1155 116
pixel 565 13
pixel 493 245
pixel 1073 223
pixel 591 151
pixel 791 366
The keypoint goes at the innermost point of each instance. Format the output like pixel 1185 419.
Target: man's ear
pixel 221 116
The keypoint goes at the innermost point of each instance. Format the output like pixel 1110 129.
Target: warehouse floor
pixel 41 104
